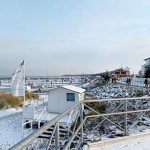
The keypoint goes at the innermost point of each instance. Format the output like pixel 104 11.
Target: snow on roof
pixel 146 59
pixel 70 87
pixel 74 88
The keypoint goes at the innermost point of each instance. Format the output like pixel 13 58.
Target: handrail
pixel 30 138
pixel 44 109
pixel 70 117
pixel 41 114
pixel 25 123
pixel 38 109
pixel 117 99
pixel 74 135
pixel 50 141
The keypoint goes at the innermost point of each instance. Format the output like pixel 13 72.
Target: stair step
pixel 49 135
pixel 44 137
pixel 50 132
pixel 61 128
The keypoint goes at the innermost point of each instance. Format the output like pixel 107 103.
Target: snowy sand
pixel 11 125
pixel 138 144
pixel 10 131
pixel 10 111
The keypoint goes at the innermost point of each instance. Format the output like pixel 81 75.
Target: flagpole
pixel 24 83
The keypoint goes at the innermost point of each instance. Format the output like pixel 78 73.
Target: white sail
pixel 18 84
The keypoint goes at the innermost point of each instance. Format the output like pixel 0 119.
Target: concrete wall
pixel 57 100
pixel 104 143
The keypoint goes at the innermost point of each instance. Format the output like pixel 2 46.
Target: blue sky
pixel 73 36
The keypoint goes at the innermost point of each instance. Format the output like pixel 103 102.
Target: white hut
pixel 62 98
pixel 59 100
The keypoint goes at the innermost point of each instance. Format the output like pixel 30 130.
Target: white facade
pixel 147 61
pixel 57 98
pixel 143 68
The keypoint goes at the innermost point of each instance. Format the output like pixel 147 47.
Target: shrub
pixel 139 93
pixel 14 101
pixel 2 103
pixel 100 83
pixel 7 100
pixel 30 95
pixel 100 107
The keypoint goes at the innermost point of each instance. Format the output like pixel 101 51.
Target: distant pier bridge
pixel 51 77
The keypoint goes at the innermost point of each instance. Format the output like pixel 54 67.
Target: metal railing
pixel 33 136
pixel 42 114
pixel 137 82
pixel 30 123
pixel 78 132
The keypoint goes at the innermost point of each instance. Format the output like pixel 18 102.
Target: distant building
pixel 118 73
pixel 145 66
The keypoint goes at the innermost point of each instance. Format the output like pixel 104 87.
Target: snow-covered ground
pixel 11 125
pixel 134 144
pixel 10 111
pixel 11 119
pixel 116 91
pixel 10 130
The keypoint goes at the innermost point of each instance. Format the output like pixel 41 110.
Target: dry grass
pixel 8 101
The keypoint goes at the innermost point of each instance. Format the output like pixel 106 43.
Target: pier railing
pixel 123 109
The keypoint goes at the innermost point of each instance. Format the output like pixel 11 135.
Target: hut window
pixel 70 97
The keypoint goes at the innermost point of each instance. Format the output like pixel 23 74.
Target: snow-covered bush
pixel 139 93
